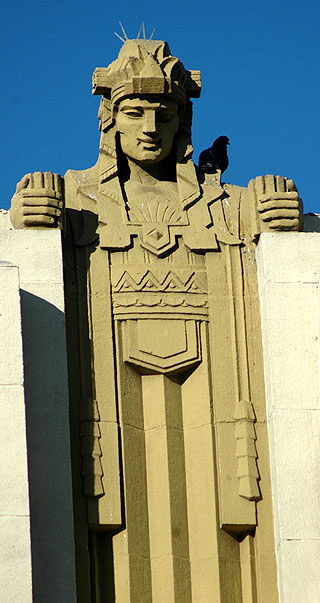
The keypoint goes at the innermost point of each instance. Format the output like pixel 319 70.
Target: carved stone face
pixel 147 127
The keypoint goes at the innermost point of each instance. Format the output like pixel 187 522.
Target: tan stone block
pixel 154 411
pixel 159 503
pixel 136 496
pixel 121 566
pixel 170 579
pixel 201 486
pixel 130 394
pixel 140 579
pixel 173 404
pixel 248 569
pixel 205 579
pixel 197 395
pixel 166 483
pixel 163 579
pixel 178 496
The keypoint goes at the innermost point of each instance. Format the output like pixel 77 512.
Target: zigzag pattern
pixel 149 282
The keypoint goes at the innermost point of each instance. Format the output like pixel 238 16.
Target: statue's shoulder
pixel 81 201
pixel 83 176
pixel 81 188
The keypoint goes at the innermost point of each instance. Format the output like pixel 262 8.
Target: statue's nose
pixel 149 122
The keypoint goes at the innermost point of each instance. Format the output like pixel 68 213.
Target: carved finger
pixel 41 211
pixel 39 221
pixel 285 224
pixel 259 186
pixel 270 184
pixel 278 200
pixel 292 195
pixel 24 182
pixel 267 205
pixel 279 214
pixel 280 184
pixel 52 181
pixel 291 185
pixel 48 180
pixel 41 197
pixel 58 183
pixel 37 180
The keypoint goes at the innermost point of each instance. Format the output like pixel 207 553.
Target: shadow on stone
pixel 46 396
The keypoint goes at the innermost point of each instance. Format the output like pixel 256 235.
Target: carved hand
pixel 38 201
pixel 277 202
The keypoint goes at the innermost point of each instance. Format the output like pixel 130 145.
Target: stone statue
pixel 168 434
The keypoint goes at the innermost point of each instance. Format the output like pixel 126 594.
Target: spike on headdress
pixel 141 33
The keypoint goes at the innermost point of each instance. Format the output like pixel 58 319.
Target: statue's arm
pixel 38 201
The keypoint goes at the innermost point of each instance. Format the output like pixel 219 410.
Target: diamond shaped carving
pixel 155 234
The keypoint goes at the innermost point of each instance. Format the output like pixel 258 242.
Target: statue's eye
pixel 134 113
pixel 165 116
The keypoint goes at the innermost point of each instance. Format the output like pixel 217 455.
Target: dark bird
pixel 216 157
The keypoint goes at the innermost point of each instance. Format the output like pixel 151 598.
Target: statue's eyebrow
pixel 169 107
pixel 155 106
pixel 143 107
pixel 138 107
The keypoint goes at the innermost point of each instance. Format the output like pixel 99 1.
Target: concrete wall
pixel 15 550
pixel 38 256
pixel 289 280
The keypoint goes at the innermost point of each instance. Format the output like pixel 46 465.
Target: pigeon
pixel 216 157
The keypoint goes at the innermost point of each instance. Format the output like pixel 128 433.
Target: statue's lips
pixel 150 144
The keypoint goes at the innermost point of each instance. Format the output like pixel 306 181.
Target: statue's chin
pixel 149 157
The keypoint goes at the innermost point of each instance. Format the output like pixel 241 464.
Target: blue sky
pixel 260 64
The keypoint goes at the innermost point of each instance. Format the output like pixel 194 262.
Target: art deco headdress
pixel 146 67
